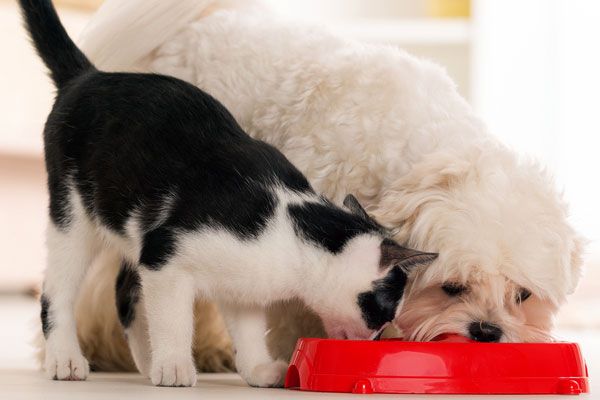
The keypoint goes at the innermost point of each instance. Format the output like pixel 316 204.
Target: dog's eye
pixel 523 295
pixel 453 288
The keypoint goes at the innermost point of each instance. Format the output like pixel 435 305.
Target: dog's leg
pixel 132 316
pixel 247 327
pixel 71 249
pixel 168 297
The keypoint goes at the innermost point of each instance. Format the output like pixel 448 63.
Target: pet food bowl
pixel 452 364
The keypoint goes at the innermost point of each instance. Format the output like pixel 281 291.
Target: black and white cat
pixel 159 170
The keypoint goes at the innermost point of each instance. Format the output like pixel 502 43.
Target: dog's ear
pixel 430 180
pixel 352 204
pixel 392 254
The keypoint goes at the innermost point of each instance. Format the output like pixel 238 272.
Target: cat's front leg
pixel 168 297
pixel 247 328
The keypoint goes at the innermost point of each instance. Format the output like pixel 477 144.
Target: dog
pixel 374 121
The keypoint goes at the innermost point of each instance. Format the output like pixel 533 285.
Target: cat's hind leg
pixel 72 246
pixel 132 316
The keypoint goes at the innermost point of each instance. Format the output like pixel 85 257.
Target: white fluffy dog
pixel 386 126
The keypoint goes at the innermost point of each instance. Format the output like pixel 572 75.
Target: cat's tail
pixel 123 33
pixel 62 57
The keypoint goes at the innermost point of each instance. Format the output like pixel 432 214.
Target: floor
pixel 20 379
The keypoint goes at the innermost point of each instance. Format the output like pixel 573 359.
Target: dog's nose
pixel 485 332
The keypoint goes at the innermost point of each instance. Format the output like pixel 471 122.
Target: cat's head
pixel 371 272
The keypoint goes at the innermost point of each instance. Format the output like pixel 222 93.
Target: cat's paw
pixel 173 371
pixel 66 365
pixel 267 375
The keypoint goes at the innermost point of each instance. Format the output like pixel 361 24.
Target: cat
pixel 159 170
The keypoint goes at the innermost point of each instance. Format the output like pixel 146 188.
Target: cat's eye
pixel 453 289
pixel 523 295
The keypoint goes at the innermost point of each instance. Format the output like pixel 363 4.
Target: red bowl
pixel 453 364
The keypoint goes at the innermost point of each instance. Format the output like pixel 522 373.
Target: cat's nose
pixel 484 332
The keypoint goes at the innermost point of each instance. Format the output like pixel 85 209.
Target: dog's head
pixel 508 256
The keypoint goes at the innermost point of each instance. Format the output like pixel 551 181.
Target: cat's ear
pixel 392 254
pixel 352 204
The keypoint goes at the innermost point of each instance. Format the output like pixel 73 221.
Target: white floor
pixel 20 379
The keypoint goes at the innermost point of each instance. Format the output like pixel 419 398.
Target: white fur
pixel 391 128
pixel 247 326
pixel 168 297
pixel 139 341
pixel 70 254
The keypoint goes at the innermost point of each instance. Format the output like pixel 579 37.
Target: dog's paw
pixel 66 365
pixel 267 375
pixel 173 371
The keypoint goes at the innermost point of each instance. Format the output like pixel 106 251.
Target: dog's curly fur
pixel 378 122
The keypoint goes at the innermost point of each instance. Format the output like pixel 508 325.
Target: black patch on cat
pixel 130 140
pixel 128 290
pixel 328 226
pixel 158 245
pixel 242 208
pixel 45 316
pixel 379 305
pixel 59 205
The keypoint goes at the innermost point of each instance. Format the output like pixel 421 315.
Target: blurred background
pixel 531 69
